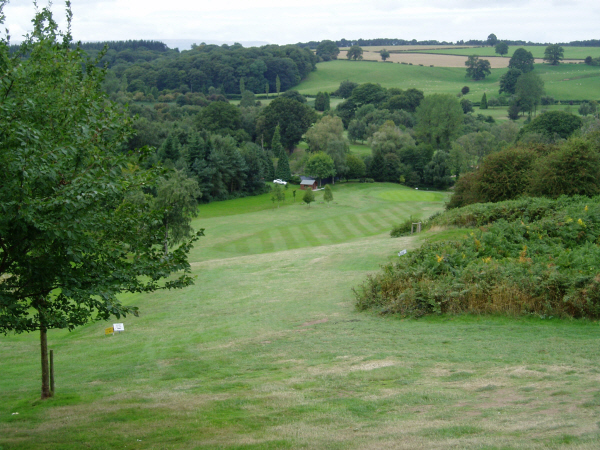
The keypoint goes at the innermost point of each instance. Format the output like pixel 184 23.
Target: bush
pixel 533 256
pixel 403 228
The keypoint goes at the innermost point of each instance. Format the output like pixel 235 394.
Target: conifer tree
pixel 278 85
pixel 276 146
pixel 242 85
pixel 484 104
pixel 283 167
pixel 309 196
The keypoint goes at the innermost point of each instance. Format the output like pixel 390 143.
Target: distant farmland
pixel 563 82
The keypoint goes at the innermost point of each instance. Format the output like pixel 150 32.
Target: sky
pixel 292 21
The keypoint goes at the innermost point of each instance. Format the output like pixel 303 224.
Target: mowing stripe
pixel 279 242
pixel 354 219
pixel 267 241
pixel 343 226
pixel 316 232
pixel 365 220
pixel 289 238
pixel 329 235
pixel 309 237
pixel 376 218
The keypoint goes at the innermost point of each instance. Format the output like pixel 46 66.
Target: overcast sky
pixel 291 21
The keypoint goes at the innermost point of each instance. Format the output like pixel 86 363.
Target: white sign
pixel 403 252
pixel 118 327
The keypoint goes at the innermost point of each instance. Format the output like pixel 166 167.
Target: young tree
pixel 277 85
pixel 554 54
pixel 501 48
pixel 477 69
pixel 267 89
pixel 508 81
pixel 529 90
pixel 465 90
pixel 355 53
pixel 466 105
pixel 327 194
pixel 242 85
pixel 277 194
pixel 71 237
pixel 384 54
pixel 345 89
pixel 322 102
pixel 309 196
pixel 276 146
pixel 356 167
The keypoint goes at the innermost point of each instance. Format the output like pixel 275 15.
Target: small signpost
pixel 108 331
pixel 403 252
pixel 118 327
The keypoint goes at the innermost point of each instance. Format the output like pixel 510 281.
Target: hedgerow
pixel 535 255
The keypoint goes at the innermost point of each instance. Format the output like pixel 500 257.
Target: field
pixel 266 351
pixel 563 82
pixel 574 53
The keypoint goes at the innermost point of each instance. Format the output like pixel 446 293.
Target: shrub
pixel 533 256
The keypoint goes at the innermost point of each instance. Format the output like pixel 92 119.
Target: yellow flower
pixel 487 260
pixel 580 222
pixel 586 208
pixel 440 258
pixel 569 220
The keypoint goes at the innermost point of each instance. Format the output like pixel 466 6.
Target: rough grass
pixel 267 352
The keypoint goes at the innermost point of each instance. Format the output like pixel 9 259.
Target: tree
pixel 355 53
pixel 320 165
pixel 492 40
pixel 384 54
pixel 267 89
pixel 529 90
pixel 484 103
pixel 521 60
pixel 508 81
pixel 277 195
pixel 277 85
pixel 356 167
pixel 560 123
pixel 242 85
pixel 327 194
pixel 345 89
pixel 283 167
pixel 439 120
pixel 501 48
pixel 293 118
pixel 465 90
pixel 176 199
pixel 554 54
pixel 75 230
pixel 327 50
pixel 477 69
pixel 276 146
pixel 586 108
pixel 248 99
pixel 309 196
pixel 369 93
pixel 322 101
pixel 466 105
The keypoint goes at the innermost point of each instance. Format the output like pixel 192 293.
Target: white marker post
pixel 118 327
pixel 403 252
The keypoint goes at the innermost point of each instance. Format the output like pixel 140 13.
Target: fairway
pixel 563 82
pixel 266 352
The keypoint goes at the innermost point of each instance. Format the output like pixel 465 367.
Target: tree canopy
pixel 355 53
pixel 76 229
pixel 440 117
pixel 477 69
pixel 501 48
pixel 328 50
pixel 521 60
pixel 294 119
pixel 554 54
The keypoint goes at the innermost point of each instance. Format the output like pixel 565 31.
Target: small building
pixel 308 183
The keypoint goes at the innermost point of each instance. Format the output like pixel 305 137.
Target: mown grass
pixel 563 82
pixel 266 351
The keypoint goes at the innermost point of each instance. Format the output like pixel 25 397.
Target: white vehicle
pixel 278 181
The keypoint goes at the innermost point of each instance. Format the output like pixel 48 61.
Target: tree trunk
pixel 166 238
pixel 46 393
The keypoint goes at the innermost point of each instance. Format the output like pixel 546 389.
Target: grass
pixel 266 351
pixel 563 82
pixel 536 50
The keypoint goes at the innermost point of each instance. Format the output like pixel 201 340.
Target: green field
pixel 563 82
pixel 266 351
pixel 536 50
